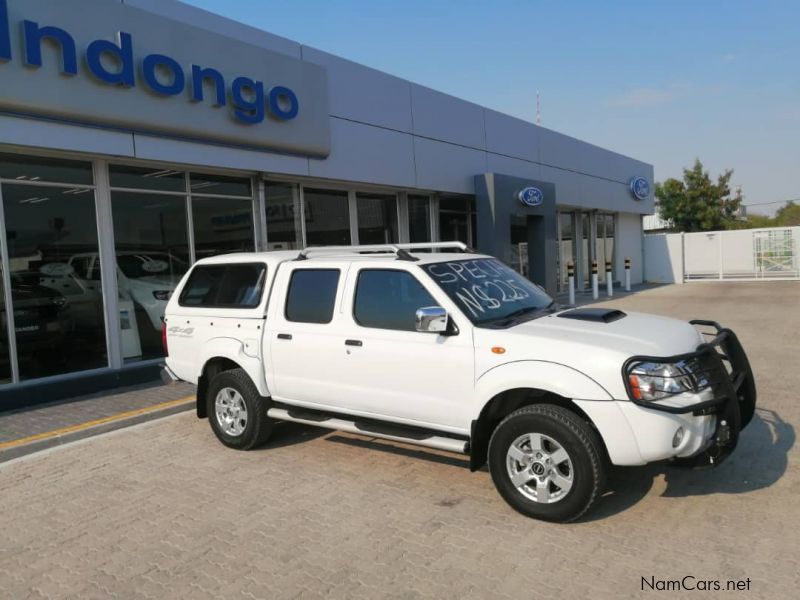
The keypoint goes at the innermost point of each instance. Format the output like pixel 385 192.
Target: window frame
pixel 355 296
pixel 195 267
pixel 335 296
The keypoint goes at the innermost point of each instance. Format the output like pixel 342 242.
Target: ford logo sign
pixel 640 188
pixel 531 196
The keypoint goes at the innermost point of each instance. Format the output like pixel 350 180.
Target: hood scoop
pixel 597 315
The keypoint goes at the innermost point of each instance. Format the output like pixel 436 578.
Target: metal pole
pixel 571 278
pixel 627 273
pixel 609 283
pixel 595 290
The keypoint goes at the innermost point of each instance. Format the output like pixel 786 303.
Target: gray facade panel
pixel 513 166
pixel 510 136
pixel 447 167
pixel 37 133
pixel 368 154
pixel 442 117
pixel 191 15
pixel 362 94
pixel 221 157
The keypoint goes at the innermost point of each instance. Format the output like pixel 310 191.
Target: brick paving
pixel 161 510
pixel 42 418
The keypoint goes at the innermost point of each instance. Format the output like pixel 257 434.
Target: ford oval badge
pixel 531 196
pixel 640 188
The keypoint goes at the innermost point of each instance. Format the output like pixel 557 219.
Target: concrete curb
pixel 58 439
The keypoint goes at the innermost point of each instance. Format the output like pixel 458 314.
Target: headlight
pixel 60 302
pixel 654 381
pixel 162 294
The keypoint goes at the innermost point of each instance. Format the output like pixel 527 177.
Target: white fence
pixel 736 255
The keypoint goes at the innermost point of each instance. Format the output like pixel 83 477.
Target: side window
pixel 388 299
pixel 312 295
pixel 225 286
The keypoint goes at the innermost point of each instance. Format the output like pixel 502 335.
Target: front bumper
pixel 729 408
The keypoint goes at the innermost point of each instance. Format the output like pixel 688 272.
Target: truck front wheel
pixel 236 411
pixel 546 462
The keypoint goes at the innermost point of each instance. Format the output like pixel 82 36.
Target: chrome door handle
pixel 353 343
pixel 284 336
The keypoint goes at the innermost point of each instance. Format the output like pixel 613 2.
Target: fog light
pixel 677 438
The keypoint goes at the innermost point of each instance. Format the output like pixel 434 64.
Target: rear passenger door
pixel 305 335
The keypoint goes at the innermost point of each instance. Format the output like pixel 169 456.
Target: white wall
pixel 663 258
pixel 628 238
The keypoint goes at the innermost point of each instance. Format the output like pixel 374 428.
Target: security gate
pixel 746 254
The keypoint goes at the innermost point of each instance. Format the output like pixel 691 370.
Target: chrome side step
pixel 432 441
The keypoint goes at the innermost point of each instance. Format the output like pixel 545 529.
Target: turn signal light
pixel 498 350
pixel 634 381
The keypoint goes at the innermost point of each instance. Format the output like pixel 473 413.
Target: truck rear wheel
pixel 236 411
pixel 546 462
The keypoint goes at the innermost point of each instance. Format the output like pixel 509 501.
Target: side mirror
pixel 431 319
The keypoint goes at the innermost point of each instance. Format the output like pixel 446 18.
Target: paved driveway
pixel 161 510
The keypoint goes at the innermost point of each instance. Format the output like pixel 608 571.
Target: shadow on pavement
pixel 759 460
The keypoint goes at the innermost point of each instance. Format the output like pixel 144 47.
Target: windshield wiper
pixel 514 316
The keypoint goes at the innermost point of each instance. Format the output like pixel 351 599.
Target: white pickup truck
pixel 432 344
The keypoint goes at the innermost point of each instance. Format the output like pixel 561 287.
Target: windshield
pixel 489 292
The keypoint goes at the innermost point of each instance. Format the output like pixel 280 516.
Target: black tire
pixel 570 432
pixel 257 427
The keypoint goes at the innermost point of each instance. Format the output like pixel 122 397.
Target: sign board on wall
pixel 109 64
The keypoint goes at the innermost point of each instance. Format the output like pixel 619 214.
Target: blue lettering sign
pixel 152 64
pixel 248 110
pixel 200 76
pixel 34 35
pixel 5 33
pixel 123 55
pixel 251 101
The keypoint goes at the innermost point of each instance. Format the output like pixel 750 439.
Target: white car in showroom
pixel 435 345
pixel 147 278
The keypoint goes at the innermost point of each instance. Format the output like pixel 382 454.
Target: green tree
pixel 789 215
pixel 697 203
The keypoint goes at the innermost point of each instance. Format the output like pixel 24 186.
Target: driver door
pixel 391 370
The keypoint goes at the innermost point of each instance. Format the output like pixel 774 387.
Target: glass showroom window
pixel 456 218
pixel 151 233
pixel 377 218
pixel 222 215
pixel 419 218
pixel 51 236
pixel 327 217
pixel 284 217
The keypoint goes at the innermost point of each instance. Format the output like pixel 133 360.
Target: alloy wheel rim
pixel 540 468
pixel 231 411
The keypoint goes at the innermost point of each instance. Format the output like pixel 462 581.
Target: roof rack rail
pixel 399 250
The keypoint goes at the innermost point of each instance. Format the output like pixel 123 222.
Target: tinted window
pixel 312 294
pixel 389 299
pixel 225 286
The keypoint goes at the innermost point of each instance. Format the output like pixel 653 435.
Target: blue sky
pixel 663 81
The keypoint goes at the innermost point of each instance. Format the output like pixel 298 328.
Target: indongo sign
pixel 56 60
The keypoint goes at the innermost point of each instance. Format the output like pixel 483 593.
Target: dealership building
pixel 137 137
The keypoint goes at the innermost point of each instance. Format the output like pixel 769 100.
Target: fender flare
pixel 233 349
pixel 547 376
pixel 597 403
